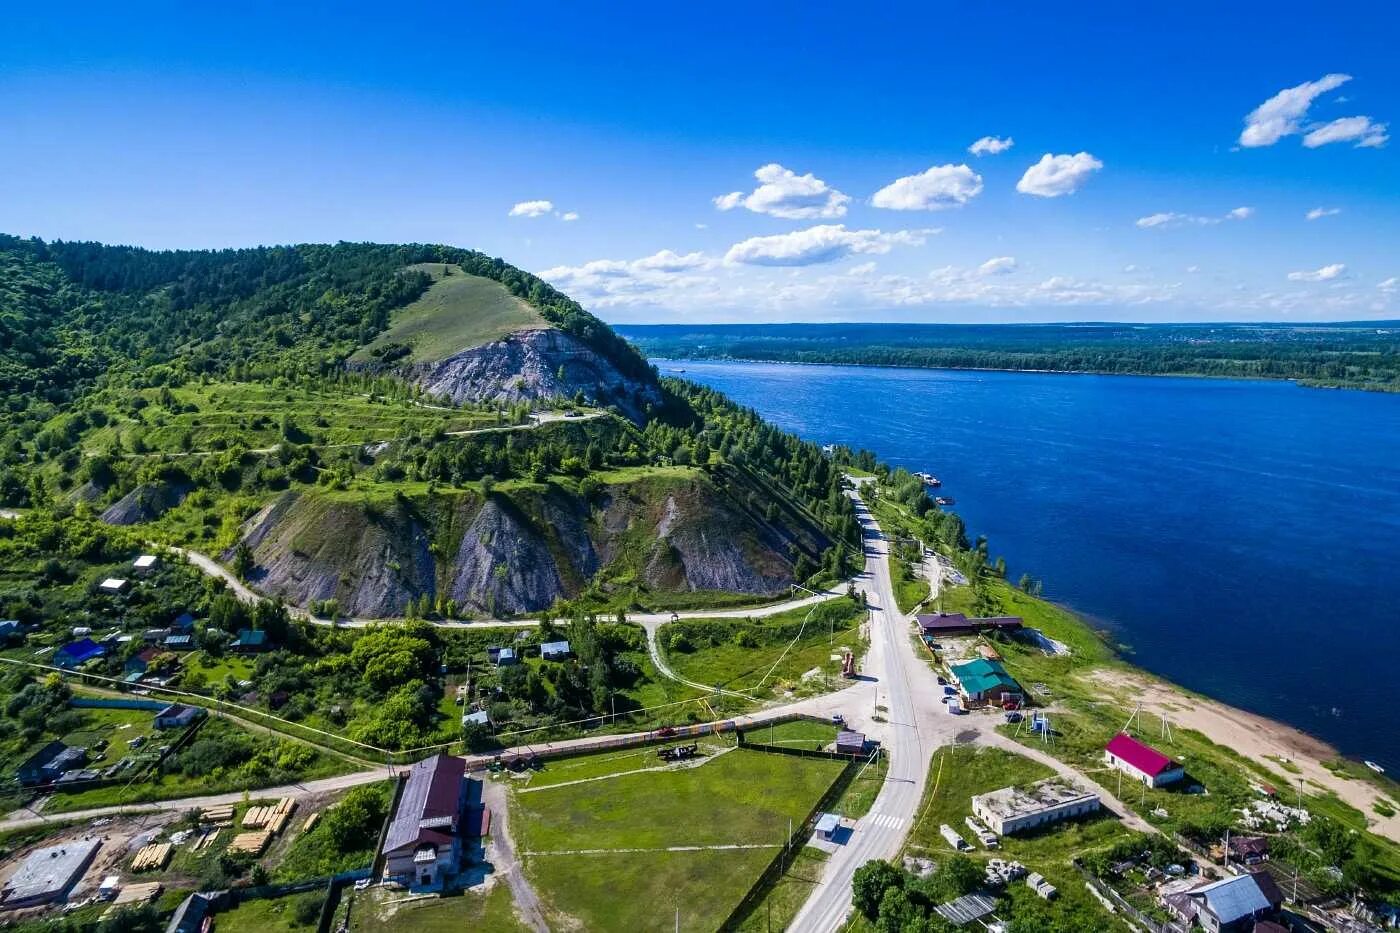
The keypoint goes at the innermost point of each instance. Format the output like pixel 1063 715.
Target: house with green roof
pixel 986 681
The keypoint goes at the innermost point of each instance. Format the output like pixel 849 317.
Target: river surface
pixel 1241 537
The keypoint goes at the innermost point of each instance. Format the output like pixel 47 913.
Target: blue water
pixel 1241 537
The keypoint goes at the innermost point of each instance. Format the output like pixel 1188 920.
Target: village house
pixel 1232 904
pixel 1141 762
pixel 50 762
pixel 77 653
pixel 250 641
pixel 145 563
pixel 554 650
pixel 175 642
pixel 177 716
pixel 140 662
pixel 935 625
pixel 423 846
pixel 986 681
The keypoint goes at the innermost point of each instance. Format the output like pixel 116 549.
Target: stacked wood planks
pixel 311 822
pixel 222 814
pixel 152 857
pixel 204 841
pixel 250 843
pixel 273 818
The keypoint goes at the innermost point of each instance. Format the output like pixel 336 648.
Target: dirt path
pixel 1254 737
pixel 504 860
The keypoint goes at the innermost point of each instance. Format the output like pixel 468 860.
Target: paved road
pixel 907 692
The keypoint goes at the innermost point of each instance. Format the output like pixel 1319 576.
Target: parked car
pixel 837 719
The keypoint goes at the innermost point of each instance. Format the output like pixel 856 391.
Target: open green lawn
pixel 785 899
pixel 457 312
pixel 585 767
pixel 380 910
pixel 958 772
pixel 800 733
pixel 272 915
pixel 741 654
pixel 740 797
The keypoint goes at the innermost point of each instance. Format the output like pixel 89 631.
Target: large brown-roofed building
pixel 423 847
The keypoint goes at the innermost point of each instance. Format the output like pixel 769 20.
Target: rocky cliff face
pixel 519 552
pixel 145 503
pixel 534 364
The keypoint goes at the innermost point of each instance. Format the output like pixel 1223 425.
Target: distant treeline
pixel 1353 355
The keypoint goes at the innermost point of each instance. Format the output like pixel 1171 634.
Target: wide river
pixel 1242 538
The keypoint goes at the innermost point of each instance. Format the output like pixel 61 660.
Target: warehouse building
pixel 1013 809
pixel 1142 762
pixel 423 847
pixel 985 681
pixel 48 874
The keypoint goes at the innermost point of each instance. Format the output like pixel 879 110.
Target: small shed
pixel 554 650
pixel 827 825
pixel 478 718
pixel 184 622
pixel 177 716
pixel 850 743
pixel 145 563
pixel 506 656
pixel 112 586
pixel 178 642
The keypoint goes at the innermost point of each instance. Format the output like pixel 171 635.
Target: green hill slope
pixel 456 313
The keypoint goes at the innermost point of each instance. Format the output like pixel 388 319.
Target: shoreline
pixel 1274 744
pixel 1291 380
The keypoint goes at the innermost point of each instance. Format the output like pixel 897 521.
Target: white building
pixel 1013 809
pixel 145 563
pixel 1142 762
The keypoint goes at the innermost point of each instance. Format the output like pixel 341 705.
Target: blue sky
pixel 171 125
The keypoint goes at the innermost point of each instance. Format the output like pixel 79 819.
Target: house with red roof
pixel 423 846
pixel 1141 761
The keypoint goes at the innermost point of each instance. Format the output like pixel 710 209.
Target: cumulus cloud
pixel 991 145
pixel 569 216
pixel 1166 219
pixel 1389 285
pixel 1056 175
pixel 1361 131
pixel 999 265
pixel 1282 114
pixel 669 261
pixel 819 244
pixel 781 192
pixel 1325 274
pixel 612 282
pixel 1317 213
pixel 532 209
pixel 1285 114
pixel 939 187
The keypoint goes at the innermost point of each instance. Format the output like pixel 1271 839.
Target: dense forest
pixel 1353 355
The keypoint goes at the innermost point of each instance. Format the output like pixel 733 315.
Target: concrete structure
pixel 423 847
pixel 1013 809
pixel 178 716
pixel 145 563
pixel 986 682
pixel 937 625
pixel 48 874
pixel 554 650
pixel 1228 905
pixel 112 586
pixel 1141 762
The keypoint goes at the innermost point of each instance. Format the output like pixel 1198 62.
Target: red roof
pixel 1143 757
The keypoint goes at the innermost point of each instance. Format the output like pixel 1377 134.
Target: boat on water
pixel 929 479
pixel 944 500
pixel 1374 767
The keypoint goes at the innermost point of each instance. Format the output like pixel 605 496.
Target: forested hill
pixel 73 312
pixel 1360 355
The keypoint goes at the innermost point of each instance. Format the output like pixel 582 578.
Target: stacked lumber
pixel 250 843
pixel 138 893
pixel 204 841
pixel 311 822
pixel 272 818
pixel 152 857
pixel 222 814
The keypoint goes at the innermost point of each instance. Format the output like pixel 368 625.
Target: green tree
pixel 869 883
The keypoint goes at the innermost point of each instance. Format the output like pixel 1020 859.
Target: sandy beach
pixel 1256 737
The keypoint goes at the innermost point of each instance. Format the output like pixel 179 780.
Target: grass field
pixel 785 899
pixel 958 772
pixel 379 910
pixel 272 915
pixel 737 798
pixel 457 312
pixel 800 733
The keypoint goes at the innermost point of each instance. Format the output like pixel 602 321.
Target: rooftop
pixel 431 798
pixel 48 873
pixel 144 561
pixel 983 674
pixel 1010 802
pixel 966 909
pixel 1234 898
pixel 934 622
pixel 1138 754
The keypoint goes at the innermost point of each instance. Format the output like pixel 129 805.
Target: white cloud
pixel 991 145
pixel 669 261
pixel 819 244
pixel 1167 219
pixel 1055 175
pixel 1282 114
pixel 569 216
pixel 1317 213
pixel 1193 269
pixel 783 193
pixel 1130 267
pixel 1359 130
pixel 532 208
pixel 1325 274
pixel 937 188
pixel 1389 285
pixel 999 265
pixel 614 282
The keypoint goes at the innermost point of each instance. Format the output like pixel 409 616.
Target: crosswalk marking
pixel 885 820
